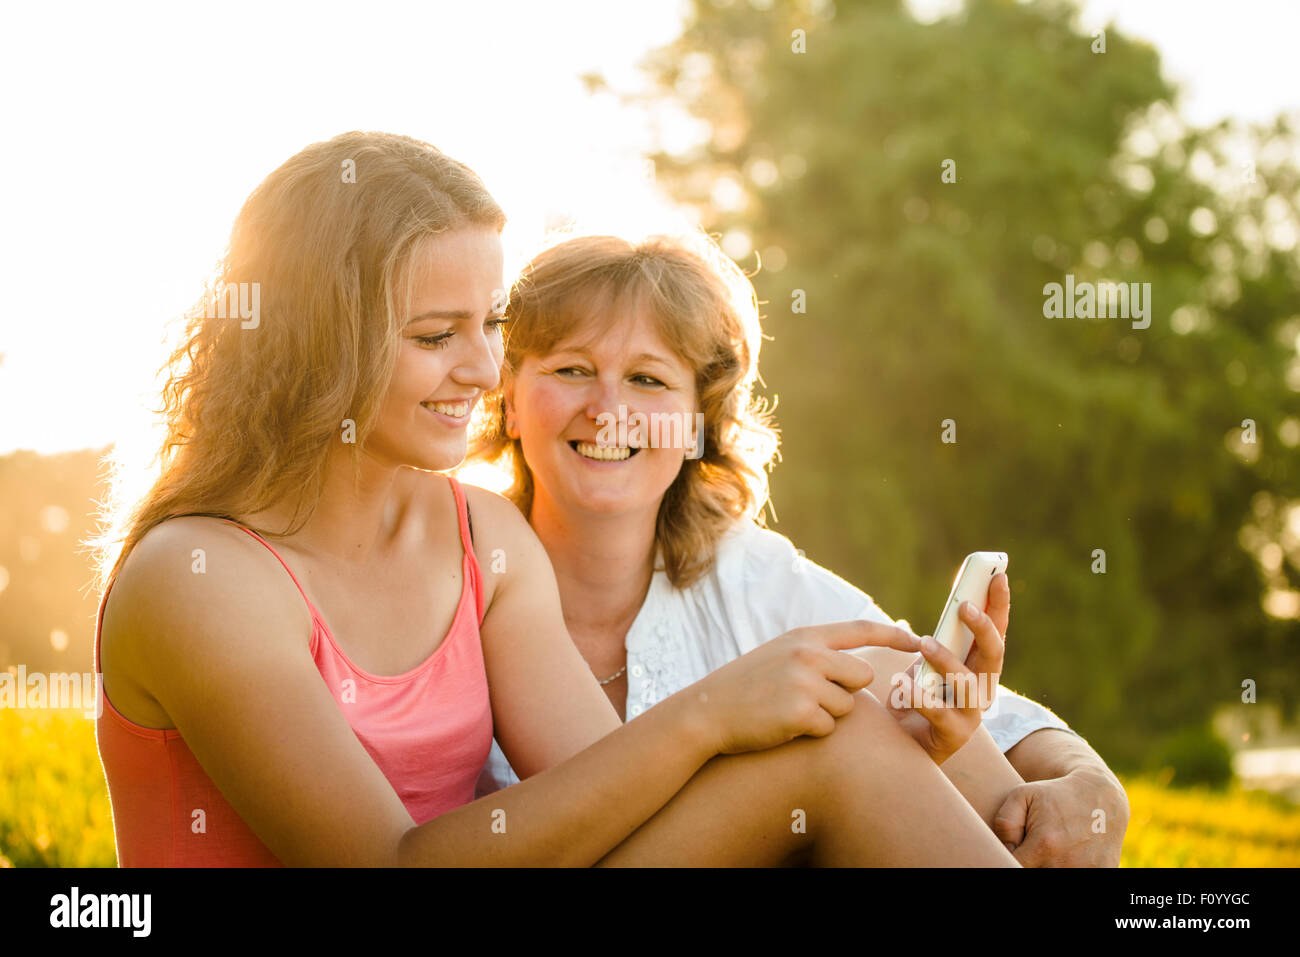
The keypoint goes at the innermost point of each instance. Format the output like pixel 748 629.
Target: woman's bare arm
pixel 531 661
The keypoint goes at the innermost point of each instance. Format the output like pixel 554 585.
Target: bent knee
pixel 868 711
pixel 866 735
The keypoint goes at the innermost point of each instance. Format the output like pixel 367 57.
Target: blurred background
pixel 902 178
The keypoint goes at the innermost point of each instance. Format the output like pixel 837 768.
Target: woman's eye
pixel 497 325
pixel 570 371
pixel 438 342
pixel 646 380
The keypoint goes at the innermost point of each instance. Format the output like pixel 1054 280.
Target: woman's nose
pixel 605 398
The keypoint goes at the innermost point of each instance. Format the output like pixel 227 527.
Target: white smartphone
pixel 972 585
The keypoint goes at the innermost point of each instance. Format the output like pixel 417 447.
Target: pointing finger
pixel 844 635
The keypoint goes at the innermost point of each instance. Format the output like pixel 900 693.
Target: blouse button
pixel 634 710
pixel 661 630
pixel 637 671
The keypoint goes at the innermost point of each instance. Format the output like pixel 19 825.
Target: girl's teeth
pixel 587 450
pixel 457 410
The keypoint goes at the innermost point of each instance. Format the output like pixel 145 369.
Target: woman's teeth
pixel 589 451
pixel 457 410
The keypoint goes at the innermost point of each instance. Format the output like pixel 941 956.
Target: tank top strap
pixel 473 571
pixel 314 613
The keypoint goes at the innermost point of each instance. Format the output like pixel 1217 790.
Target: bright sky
pixel 131 134
pixel 129 140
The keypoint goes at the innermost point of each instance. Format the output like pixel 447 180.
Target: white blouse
pixel 759 588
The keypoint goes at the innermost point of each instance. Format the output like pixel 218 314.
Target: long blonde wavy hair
pixel 251 410
pixel 706 310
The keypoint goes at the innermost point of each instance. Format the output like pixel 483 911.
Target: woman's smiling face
pixel 565 405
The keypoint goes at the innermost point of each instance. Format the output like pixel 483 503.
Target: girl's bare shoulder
pixel 189 573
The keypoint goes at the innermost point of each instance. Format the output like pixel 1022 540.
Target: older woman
pixel 614 350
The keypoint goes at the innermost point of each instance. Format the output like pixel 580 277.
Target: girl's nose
pixel 480 367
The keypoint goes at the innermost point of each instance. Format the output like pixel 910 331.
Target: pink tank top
pixel 429 730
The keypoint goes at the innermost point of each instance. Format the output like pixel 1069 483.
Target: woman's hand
pixel 793 685
pixel 942 723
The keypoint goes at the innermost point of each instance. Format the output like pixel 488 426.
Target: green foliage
pixel 1196 756
pixel 925 302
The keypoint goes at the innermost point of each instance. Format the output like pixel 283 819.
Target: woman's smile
pixel 452 412
pixel 594 452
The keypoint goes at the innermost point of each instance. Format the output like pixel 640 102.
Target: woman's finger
pixel 822 724
pixel 835 700
pixel 848 670
pixel 959 685
pixel 999 603
pixel 941 659
pixel 843 635
pixel 987 656
pixel 988 639
pixel 949 726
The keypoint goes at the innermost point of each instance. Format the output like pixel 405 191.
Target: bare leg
pixel 982 774
pixel 864 795
pixel 979 770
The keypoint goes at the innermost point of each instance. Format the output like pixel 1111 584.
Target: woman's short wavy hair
pixel 705 309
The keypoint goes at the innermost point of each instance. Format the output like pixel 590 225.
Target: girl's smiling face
pixel 450 351
pixel 564 408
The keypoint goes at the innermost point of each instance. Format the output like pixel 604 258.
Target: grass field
pixel 54 808
pixel 53 801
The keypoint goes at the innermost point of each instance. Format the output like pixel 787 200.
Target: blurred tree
pixel 1193 756
pixel 921 184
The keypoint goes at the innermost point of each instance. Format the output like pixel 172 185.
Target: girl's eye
pixel 439 341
